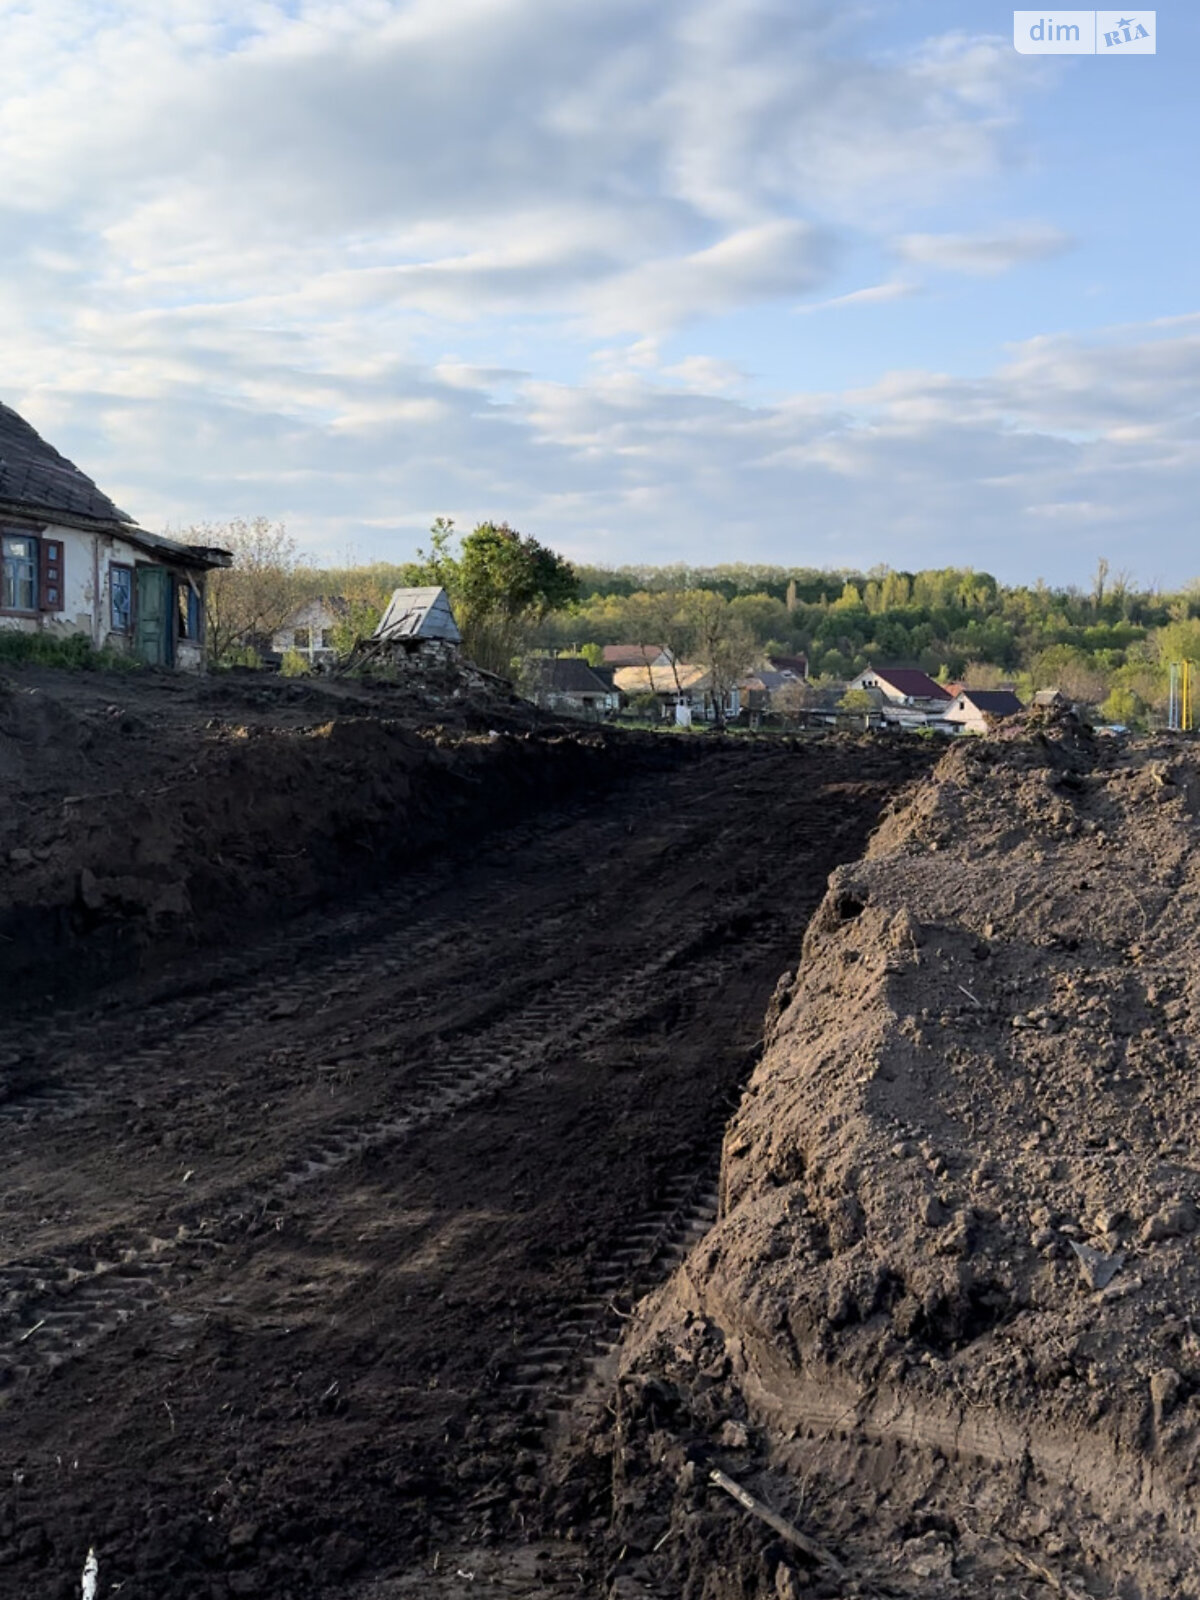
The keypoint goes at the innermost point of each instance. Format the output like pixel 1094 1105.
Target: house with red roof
pixel 903 686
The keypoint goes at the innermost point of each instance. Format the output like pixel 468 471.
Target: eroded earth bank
pixel 948 1321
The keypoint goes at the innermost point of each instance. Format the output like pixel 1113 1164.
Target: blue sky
pixel 655 280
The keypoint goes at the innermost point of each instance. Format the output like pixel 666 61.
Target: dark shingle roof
pixel 995 702
pixel 912 683
pixel 796 664
pixel 34 477
pixel 567 675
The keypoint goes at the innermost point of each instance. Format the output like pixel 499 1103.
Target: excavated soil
pixel 317 1241
pixel 948 1322
pixel 146 813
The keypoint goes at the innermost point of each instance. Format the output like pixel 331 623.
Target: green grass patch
pixel 74 652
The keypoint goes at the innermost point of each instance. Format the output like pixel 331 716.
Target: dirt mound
pixel 950 1316
pixel 147 813
pixel 256 823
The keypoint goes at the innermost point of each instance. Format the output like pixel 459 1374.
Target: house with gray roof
pixel 977 710
pixel 311 630
pixel 72 562
pixel 568 683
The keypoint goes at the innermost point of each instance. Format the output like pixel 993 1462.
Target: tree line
pixel 1108 644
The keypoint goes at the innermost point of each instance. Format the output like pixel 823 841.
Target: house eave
pixel 44 516
pixel 184 555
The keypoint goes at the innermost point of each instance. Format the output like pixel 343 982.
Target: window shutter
pixel 50 575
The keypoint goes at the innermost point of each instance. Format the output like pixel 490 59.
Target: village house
pixel 974 710
pixel 309 631
pixel 679 686
pixel 762 687
pixel 906 698
pixel 903 686
pixel 568 683
pixel 789 666
pixel 636 655
pixel 74 564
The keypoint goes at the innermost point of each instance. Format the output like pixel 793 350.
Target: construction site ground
pixel 364 1063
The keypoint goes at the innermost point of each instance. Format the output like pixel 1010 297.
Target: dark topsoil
pixel 311 1236
pixel 146 813
pixel 949 1321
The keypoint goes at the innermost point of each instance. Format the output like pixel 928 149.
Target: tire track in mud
pixel 248 989
pixel 557 1376
pixel 56 1308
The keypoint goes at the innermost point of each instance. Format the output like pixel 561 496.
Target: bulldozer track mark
pixel 71 1318
pixel 554 1375
pixel 51 1310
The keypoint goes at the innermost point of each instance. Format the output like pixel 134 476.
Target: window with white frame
pixel 20 554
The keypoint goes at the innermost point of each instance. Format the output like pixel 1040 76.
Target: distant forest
pixel 1108 645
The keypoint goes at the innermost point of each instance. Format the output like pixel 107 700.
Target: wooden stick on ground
pixel 780 1524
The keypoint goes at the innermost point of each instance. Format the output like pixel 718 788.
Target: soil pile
pixel 949 1319
pixel 138 823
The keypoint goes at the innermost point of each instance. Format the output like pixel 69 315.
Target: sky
pixel 652 280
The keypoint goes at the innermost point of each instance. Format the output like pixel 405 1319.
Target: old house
pixel 73 563
pixel 310 630
pixel 974 710
pixel 568 683
pixel 762 688
pixel 680 684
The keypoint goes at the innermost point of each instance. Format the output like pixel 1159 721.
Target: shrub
pixel 74 651
pixel 295 665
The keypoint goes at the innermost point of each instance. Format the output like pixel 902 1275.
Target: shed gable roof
pixel 419 614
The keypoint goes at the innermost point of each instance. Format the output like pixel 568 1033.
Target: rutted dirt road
pixel 305 1246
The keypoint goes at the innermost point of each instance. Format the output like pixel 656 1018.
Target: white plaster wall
pixel 86 609
pixel 86 560
pixel 314 616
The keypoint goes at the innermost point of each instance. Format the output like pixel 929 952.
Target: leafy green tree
pixel 502 584
pixel 1122 705
pixel 858 700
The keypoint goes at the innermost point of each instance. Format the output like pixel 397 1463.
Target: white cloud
pixel 478 154
pixel 875 294
pixel 984 255
pixel 638 463
pixel 285 258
